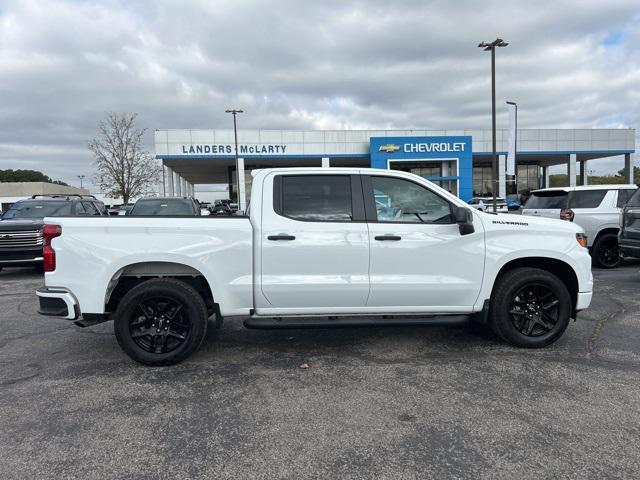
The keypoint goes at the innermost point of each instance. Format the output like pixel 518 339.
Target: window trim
pixel 357 197
pixel 370 204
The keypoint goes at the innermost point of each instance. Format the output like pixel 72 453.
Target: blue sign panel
pixel 387 149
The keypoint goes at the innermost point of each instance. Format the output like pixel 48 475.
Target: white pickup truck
pixel 318 247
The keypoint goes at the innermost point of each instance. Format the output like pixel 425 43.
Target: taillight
pixel 49 232
pixel 566 214
pixel 582 239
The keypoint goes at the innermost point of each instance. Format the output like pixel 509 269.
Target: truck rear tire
pixel 605 251
pixel 530 307
pixel 161 322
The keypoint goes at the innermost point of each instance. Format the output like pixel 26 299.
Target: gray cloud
pixel 292 64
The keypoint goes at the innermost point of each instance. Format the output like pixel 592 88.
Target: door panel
pixel 430 266
pixel 315 243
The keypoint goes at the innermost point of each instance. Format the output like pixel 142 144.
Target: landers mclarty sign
pixel 229 149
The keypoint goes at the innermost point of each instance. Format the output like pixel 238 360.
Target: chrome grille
pixel 21 239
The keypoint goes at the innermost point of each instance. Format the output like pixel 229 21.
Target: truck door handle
pixel 281 237
pixel 393 238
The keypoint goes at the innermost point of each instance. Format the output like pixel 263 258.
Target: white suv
pixel 596 208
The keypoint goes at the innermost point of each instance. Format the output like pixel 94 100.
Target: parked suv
pixel 166 206
pixel 630 227
pixel 596 208
pixel 21 225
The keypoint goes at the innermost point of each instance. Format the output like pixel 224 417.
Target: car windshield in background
pixel 547 200
pixel 165 206
pixel 37 210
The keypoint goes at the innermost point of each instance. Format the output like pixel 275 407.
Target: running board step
pixel 267 323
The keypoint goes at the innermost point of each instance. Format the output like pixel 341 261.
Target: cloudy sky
pixel 306 64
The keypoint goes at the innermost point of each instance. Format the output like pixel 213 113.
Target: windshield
pixel 547 200
pixel 37 210
pixel 164 206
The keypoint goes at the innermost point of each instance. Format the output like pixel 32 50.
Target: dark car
pixel 166 206
pixel 629 236
pixel 224 207
pixel 21 225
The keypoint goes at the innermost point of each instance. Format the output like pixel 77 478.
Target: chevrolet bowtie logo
pixel 389 148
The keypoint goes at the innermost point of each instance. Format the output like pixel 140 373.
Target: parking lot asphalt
pixel 411 402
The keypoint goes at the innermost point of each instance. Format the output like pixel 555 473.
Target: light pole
pixel 511 168
pixel 81 177
pixel 235 112
pixel 491 47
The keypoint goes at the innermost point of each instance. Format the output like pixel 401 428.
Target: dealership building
pixel 458 160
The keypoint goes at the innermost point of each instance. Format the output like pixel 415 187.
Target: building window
pixel 528 178
pixel 482 182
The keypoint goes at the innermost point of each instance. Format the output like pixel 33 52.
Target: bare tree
pixel 124 168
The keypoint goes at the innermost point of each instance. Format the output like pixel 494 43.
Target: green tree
pixel 10 175
pixel 558 180
pixel 636 174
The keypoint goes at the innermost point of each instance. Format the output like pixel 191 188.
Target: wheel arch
pixel 559 268
pixel 613 230
pixel 134 274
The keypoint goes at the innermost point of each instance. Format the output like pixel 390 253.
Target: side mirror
pixel 464 219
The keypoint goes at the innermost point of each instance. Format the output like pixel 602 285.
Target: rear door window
pixel 586 198
pixel 317 198
pixel 556 199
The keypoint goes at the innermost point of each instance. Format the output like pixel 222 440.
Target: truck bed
pixel 93 252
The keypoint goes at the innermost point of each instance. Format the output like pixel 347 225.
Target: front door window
pixel 399 200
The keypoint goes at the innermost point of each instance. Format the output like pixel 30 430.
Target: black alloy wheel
pixel 606 251
pixel 161 321
pixel 160 326
pixel 530 307
pixel 534 310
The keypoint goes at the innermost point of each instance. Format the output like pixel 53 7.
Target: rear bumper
pixel 58 302
pixel 583 300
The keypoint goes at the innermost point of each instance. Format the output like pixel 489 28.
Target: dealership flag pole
pixel 240 188
pixel 513 138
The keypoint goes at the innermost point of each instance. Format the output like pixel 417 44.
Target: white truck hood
pixel 505 221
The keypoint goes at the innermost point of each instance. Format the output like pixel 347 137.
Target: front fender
pixel 503 250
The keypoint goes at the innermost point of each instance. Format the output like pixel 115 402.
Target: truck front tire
pixel 161 322
pixel 530 307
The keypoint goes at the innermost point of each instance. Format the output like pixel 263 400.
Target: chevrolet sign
pixel 389 148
